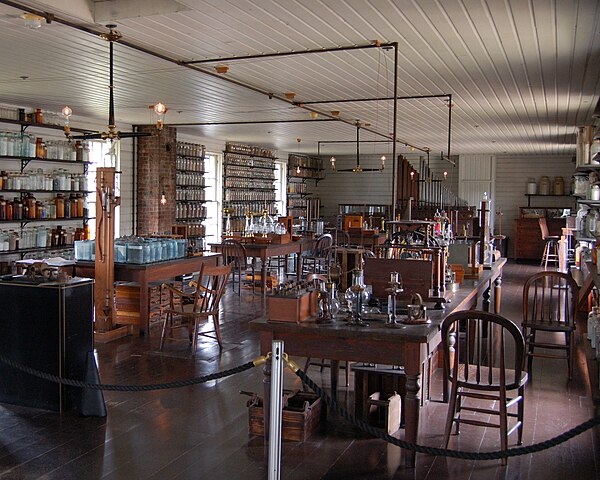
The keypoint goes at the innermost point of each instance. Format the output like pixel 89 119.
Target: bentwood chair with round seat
pixel 317 260
pixel 484 357
pixel 188 310
pixel 550 244
pixel 549 309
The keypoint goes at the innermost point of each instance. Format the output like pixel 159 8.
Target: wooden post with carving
pixel 104 288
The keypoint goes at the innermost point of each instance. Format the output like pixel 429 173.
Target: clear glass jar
pixel 592 220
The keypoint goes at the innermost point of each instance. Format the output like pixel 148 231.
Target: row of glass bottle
pixel 28 208
pixel 231 147
pixel 242 171
pixel 190 150
pixel 249 162
pixel 15 144
pixel 136 250
pixel 251 208
pixel 190 164
pixel 249 195
pixel 189 194
pixel 39 237
pixel 190 179
pixel 59 179
pixel 248 182
pixel 190 210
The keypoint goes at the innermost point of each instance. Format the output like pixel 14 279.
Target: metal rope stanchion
pixel 276 410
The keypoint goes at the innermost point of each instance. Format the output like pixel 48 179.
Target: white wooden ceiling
pixel 523 73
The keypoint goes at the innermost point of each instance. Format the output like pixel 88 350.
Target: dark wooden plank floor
pixel 202 431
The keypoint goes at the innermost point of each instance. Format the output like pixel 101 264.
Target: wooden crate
pixel 300 419
pixel 292 309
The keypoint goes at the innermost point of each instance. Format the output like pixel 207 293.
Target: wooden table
pixel 147 273
pixel 264 251
pixel 409 346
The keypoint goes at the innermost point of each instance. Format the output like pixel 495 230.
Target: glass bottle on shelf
pixel 592 220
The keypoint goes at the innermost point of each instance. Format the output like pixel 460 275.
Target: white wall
pixel 512 173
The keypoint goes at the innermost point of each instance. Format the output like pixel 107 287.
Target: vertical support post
pixel 276 410
pixel 105 238
pixel 394 134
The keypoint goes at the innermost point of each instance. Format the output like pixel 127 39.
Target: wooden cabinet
pixel 528 237
pixel 47 326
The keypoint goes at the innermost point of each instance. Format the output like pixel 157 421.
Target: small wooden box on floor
pixel 292 309
pixel 301 416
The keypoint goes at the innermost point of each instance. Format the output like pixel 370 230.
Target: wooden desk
pixel 264 251
pixel 367 241
pixel 151 272
pixel 409 346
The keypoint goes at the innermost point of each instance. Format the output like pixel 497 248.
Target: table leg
pixel 485 304
pixel 412 405
pixel 144 307
pixel 497 294
pixel 335 371
pixel 263 275
pixel 298 265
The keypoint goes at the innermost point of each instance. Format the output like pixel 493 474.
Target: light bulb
pixel 32 20
pixel 160 108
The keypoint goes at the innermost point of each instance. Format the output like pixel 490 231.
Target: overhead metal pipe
pixel 247 122
pixel 376 99
pixel 290 53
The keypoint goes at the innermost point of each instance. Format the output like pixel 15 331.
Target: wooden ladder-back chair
pixel 484 356
pixel 188 310
pixel 549 306
pixel 234 252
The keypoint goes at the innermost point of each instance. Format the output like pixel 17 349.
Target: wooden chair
pixel 317 260
pixel 549 306
pixel 187 310
pixel 550 246
pixel 476 348
pixel 234 252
